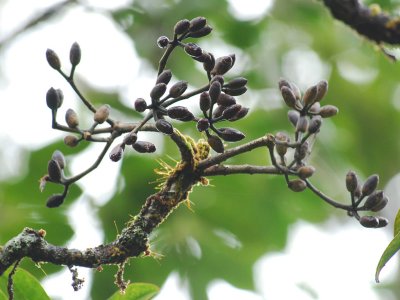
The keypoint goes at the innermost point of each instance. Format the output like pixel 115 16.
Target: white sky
pixel 332 261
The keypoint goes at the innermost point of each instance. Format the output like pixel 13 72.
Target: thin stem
pixel 163 61
pixel 240 169
pixel 185 96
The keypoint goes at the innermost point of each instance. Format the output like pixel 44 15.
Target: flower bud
pixel 218 78
pixel 230 134
pixel 178 89
pixel 293 117
pixel 158 90
pixel 205 101
pixel 215 143
pixel 382 222
pixel 101 115
pixel 301 152
pixel 297 185
pixel 197 24
pixel 181 26
pixel 162 41
pixel 164 77
pixel 206 30
pixel 180 113
pixel 202 124
pixel 230 111
pixel 322 88
pixel 222 65
pixel 55 200
pixel 54 98
pixel 193 50
pixel 236 92
pixel 328 111
pixel 54 171
pixel 351 181
pixel 315 108
pixel 59 158
pixel 140 105
pixel 376 201
pixel 302 124
pixel 71 118
pixel 370 185
pixel 130 138
pixel 306 172
pixel 214 91
pixel 75 54
pixel 217 112
pixel 283 82
pixel 240 114
pixel 53 60
pixel 226 100
pixel 71 141
pixel 209 62
pixel 236 83
pixel 288 97
pixel 116 153
pixel 164 126
pixel 310 95
pixel 369 221
pixel 315 124
pixel 280 148
pixel 144 147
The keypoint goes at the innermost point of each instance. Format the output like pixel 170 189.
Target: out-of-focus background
pixel 246 237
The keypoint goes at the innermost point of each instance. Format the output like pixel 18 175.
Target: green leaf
pixel 137 291
pixel 3 296
pixel 26 286
pixel 397 224
pixel 390 250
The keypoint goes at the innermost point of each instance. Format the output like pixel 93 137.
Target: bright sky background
pixel 330 261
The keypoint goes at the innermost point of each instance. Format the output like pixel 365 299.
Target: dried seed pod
pixel 54 171
pixel 209 62
pixel 376 201
pixel 236 92
pixel 382 222
pixel 140 105
pixel 369 221
pixel 226 100
pixel 302 124
pixel 164 77
pixel 144 147
pixel 370 185
pixel 179 113
pixel 55 200
pixel 178 89
pixel 75 54
pixel 158 90
pixel 101 114
pixel 116 152
pixel 53 98
pixel 306 171
pixel 297 185
pixel 193 50
pixel 240 114
pixel 230 134
pixel 205 101
pixel 215 143
pixel 59 158
pixel 293 116
pixel 322 89
pixel 202 124
pixel 71 118
pixel 53 60
pixel 130 138
pixel 222 65
pixel 310 95
pixel 351 181
pixel 301 152
pixel 315 124
pixel 71 141
pixel 162 41
pixel 328 111
pixel 288 97
pixel 164 126
pixel 214 91
pixel 197 24
pixel 236 83
pixel 181 26
pixel 280 148
pixel 231 111
pixel 206 30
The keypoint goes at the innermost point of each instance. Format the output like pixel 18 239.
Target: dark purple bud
pixel 369 221
pixel 322 88
pixel 52 59
pixel 217 112
pixel 205 101
pixel 382 222
pixel 218 78
pixel 226 100
pixel 202 124
pixel 59 158
pixel 54 171
pixel 240 114
pixel 75 54
pixel 230 134
pixel 351 181
pixel 236 92
pixel 376 201
pixel 55 200
pixel 310 95
pixel 288 96
pixel 181 26
pixel 206 30
pixel 193 50
pixel 180 112
pixel 222 65
pixel 164 126
pixel 140 105
pixel 130 138
pixel 231 111
pixel 197 24
pixel 144 147
pixel 209 62
pixel 178 89
pixel 162 41
pixel 293 117
pixel 370 185
pixel 236 83
pixel 53 98
pixel 158 90
pixel 164 77
pixel 116 153
pixel 214 91
pixel 215 143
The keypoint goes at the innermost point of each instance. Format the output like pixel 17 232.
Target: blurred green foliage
pixel 238 218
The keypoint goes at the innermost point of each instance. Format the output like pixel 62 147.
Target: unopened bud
pixel 193 50
pixel 75 54
pixel 52 59
pixel 226 100
pixel 236 92
pixel 116 153
pixel 302 124
pixel 205 101
pixel 55 200
pixel 158 90
pixel 281 149
pixel 206 30
pixel 162 41
pixel 240 114
pixel 102 114
pixel 293 116
pixel 369 221
pixel 59 158
pixel 71 118
pixel 382 222
pixel 54 98
pixel 310 95
pixel 236 83
pixel 288 97
pixel 71 141
pixel 180 113
pixel 140 105
pixel 328 111
pixel 164 77
pixel 222 65
pixel 370 185
pixel 315 124
pixel 144 147
pixel 214 91
pixel 322 88
pixel 301 152
pixel 197 24
pixel 178 89
pixel 297 185
pixel 130 138
pixel 231 111
pixel 181 26
pixel 202 124
pixel 215 143
pixel 209 62
pixel 376 201
pixel 306 172
pixel 164 126
pixel 351 181
pixel 54 171
pixel 230 134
